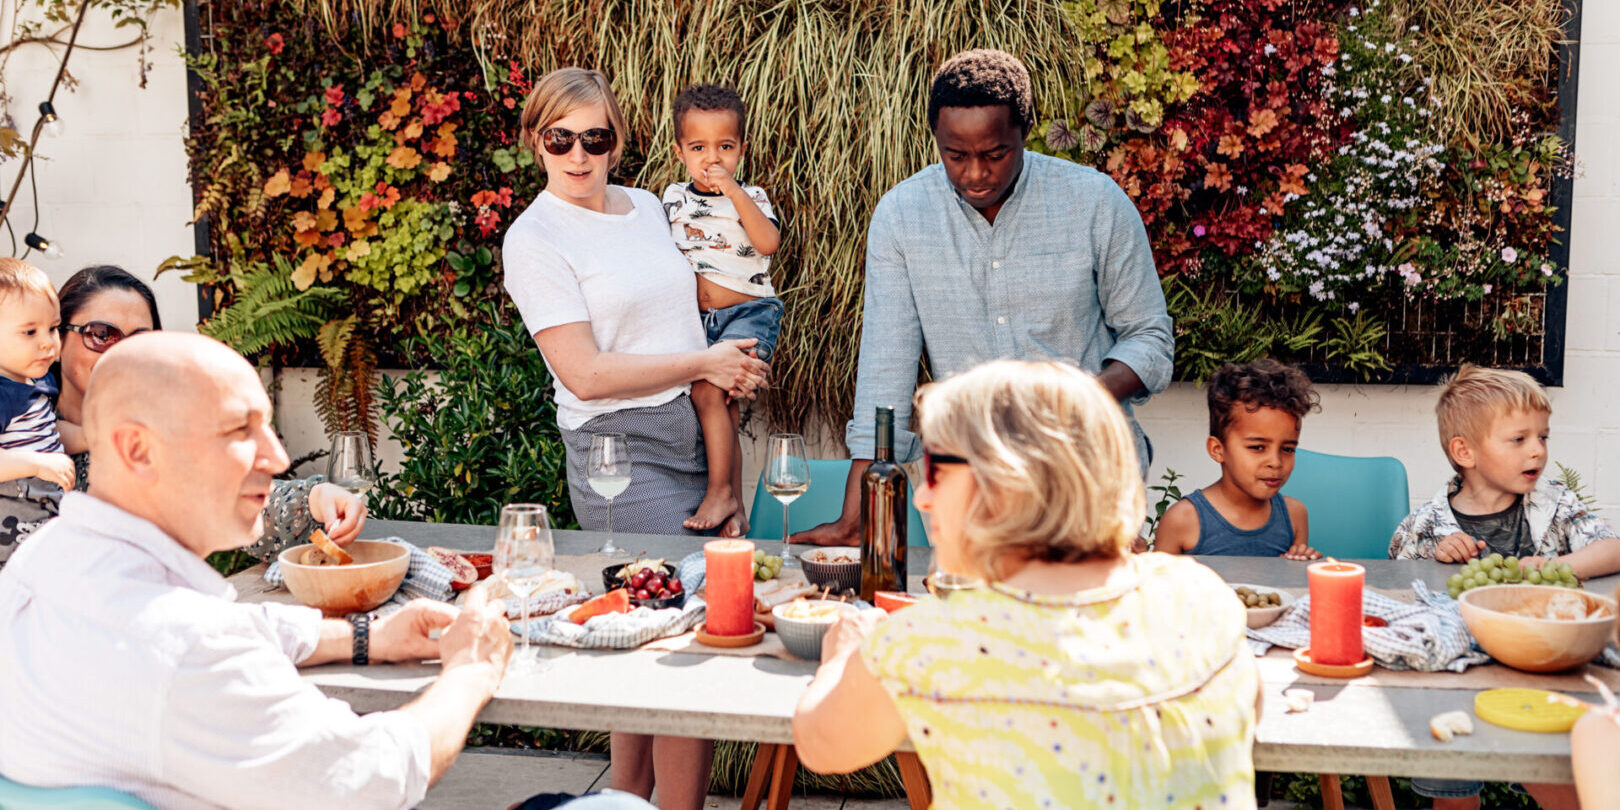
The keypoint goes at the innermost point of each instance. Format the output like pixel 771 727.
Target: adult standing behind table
pixel 103 304
pixel 996 253
pixel 612 305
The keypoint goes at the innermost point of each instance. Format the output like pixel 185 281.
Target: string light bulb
pixel 43 245
pixel 53 122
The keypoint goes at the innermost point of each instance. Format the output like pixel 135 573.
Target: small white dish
pixel 1260 617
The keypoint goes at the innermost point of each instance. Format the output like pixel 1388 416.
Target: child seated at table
pixel 1493 428
pixel 1255 413
pixel 1593 744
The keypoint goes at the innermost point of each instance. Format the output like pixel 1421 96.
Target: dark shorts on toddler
pixel 760 318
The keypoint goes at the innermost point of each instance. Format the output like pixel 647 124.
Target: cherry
pixel 674 586
pixel 642 593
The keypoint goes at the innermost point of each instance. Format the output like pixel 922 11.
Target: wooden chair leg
pixel 1332 795
pixel 764 758
pixel 1382 797
pixel 915 778
pixel 783 770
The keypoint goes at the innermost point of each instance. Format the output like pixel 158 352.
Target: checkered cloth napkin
pixel 426 578
pixel 1427 635
pixel 622 631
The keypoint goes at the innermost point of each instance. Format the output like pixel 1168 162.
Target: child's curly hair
pixel 1264 383
pixel 983 78
pixel 713 98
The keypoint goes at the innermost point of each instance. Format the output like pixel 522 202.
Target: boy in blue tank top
pixel 1255 413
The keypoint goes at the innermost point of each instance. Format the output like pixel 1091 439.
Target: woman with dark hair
pixel 104 304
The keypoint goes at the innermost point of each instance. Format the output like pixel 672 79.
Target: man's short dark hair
pixel 1265 383
pixel 713 98
pixel 983 78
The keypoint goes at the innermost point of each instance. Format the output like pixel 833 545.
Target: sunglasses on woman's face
pixel 931 463
pixel 559 141
pixel 99 336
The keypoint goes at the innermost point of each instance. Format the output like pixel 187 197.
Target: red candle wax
pixel 1336 612
pixel 729 587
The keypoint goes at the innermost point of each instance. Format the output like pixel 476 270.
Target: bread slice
pixel 1446 725
pixel 332 550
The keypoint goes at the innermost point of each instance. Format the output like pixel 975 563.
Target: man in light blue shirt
pixel 994 253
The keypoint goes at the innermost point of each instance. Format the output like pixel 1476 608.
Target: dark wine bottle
pixel 883 515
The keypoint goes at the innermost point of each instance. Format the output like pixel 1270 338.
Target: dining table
pixel 1378 724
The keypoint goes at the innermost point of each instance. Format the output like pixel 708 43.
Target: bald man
pixel 127 661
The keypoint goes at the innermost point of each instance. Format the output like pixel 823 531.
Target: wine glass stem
pixel 784 533
pixel 610 515
pixel 524 623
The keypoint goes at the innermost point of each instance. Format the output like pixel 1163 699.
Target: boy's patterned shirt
pixel 710 233
pixel 1559 522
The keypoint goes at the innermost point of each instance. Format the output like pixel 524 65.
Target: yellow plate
pixel 1526 710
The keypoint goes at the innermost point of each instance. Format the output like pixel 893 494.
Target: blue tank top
pixel 1217 536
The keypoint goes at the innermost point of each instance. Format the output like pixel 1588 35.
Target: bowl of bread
pixel 1538 628
pixel 343 580
pixel 803 622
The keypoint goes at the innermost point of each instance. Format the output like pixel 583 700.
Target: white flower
pixel 1354 306
pixel 1486 289
pixel 1546 270
pixel 1270 49
pixel 1355 12
pixel 1509 255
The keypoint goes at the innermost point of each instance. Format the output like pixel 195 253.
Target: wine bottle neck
pixel 883 446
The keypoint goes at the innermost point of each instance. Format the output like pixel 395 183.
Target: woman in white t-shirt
pixel 612 305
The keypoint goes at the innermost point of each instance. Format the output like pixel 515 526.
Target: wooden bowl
pixel 338 590
pixel 1534 644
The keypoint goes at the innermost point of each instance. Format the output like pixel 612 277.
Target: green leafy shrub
pixel 483 435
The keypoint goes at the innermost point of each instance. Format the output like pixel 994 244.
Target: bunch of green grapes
pixel 1495 569
pixel 766 566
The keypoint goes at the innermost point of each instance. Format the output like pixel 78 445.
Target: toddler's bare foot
pixel 736 525
pixel 718 504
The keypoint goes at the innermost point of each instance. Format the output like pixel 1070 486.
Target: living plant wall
pixel 1363 185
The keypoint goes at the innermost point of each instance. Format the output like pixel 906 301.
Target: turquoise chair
pixel 824 502
pixel 1354 502
pixel 22 797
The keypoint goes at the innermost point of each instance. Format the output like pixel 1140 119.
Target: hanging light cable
pixel 47 108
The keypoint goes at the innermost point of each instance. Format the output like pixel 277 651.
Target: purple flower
pixel 1510 255
pixel 1198 230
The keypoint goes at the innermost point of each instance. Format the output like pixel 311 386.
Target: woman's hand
pixel 341 512
pixel 735 371
pixel 849 632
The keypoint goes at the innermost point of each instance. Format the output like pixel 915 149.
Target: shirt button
pixel 995 265
pixel 1002 319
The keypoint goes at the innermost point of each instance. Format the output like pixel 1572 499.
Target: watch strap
pixel 362 638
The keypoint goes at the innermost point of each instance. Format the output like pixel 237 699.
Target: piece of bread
pixel 1446 725
pixel 1298 700
pixel 329 548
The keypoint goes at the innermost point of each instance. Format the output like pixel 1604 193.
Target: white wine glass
pixel 349 465
pixel 942 583
pixel 607 470
pixel 524 555
pixel 787 476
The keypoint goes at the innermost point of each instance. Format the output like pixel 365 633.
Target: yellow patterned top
pixel 1140 694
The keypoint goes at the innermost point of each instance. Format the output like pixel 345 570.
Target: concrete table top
pixel 1351 729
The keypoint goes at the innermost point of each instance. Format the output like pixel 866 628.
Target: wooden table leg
pixel 764 758
pixel 1382 797
pixel 915 778
pixel 785 767
pixel 1332 795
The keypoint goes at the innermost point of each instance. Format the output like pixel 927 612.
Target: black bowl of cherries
pixel 652 583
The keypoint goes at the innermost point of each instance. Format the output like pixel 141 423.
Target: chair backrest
pixel 1354 503
pixel 22 797
pixel 822 503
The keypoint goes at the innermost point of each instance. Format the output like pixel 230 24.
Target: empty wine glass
pixel 524 555
pixel 608 472
pixel 787 476
pixel 349 465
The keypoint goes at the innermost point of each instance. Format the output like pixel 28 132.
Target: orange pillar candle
pixel 1336 612
pixel 729 587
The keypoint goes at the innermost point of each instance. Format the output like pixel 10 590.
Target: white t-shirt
pixel 620 273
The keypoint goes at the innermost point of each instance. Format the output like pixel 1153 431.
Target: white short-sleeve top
pixel 621 273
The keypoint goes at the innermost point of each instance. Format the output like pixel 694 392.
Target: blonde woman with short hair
pixel 612 304
pixel 1080 675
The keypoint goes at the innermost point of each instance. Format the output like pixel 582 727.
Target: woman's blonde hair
pixel 559 93
pixel 1053 457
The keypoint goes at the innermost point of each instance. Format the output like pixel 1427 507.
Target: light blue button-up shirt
pixel 1066 273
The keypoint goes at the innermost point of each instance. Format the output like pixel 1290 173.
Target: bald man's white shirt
pixel 125 661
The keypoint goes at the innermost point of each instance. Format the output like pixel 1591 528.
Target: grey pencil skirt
pixel 668 469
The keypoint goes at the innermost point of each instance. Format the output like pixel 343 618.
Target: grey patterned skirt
pixel 668 469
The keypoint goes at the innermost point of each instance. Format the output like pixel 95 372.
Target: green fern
pixel 1572 479
pixel 268 310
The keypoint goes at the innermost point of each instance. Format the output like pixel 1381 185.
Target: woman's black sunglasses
pixel 99 336
pixel 931 462
pixel 559 141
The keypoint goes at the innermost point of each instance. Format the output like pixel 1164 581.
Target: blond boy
pixel 34 470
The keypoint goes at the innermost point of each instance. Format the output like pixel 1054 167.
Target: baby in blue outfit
pixel 1255 413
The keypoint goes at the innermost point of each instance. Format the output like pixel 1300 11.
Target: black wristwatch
pixel 362 638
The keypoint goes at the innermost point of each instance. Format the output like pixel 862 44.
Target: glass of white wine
pixel 349 465
pixel 787 476
pixel 942 583
pixel 607 470
pixel 524 555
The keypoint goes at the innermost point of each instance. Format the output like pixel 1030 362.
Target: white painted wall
pixel 114 190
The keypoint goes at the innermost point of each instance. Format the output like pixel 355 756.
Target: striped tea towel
pixel 1427 635
pixel 427 578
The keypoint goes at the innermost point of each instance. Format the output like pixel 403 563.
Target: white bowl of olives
pixel 1264 604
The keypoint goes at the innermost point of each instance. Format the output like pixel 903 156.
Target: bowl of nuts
pixel 1264 604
